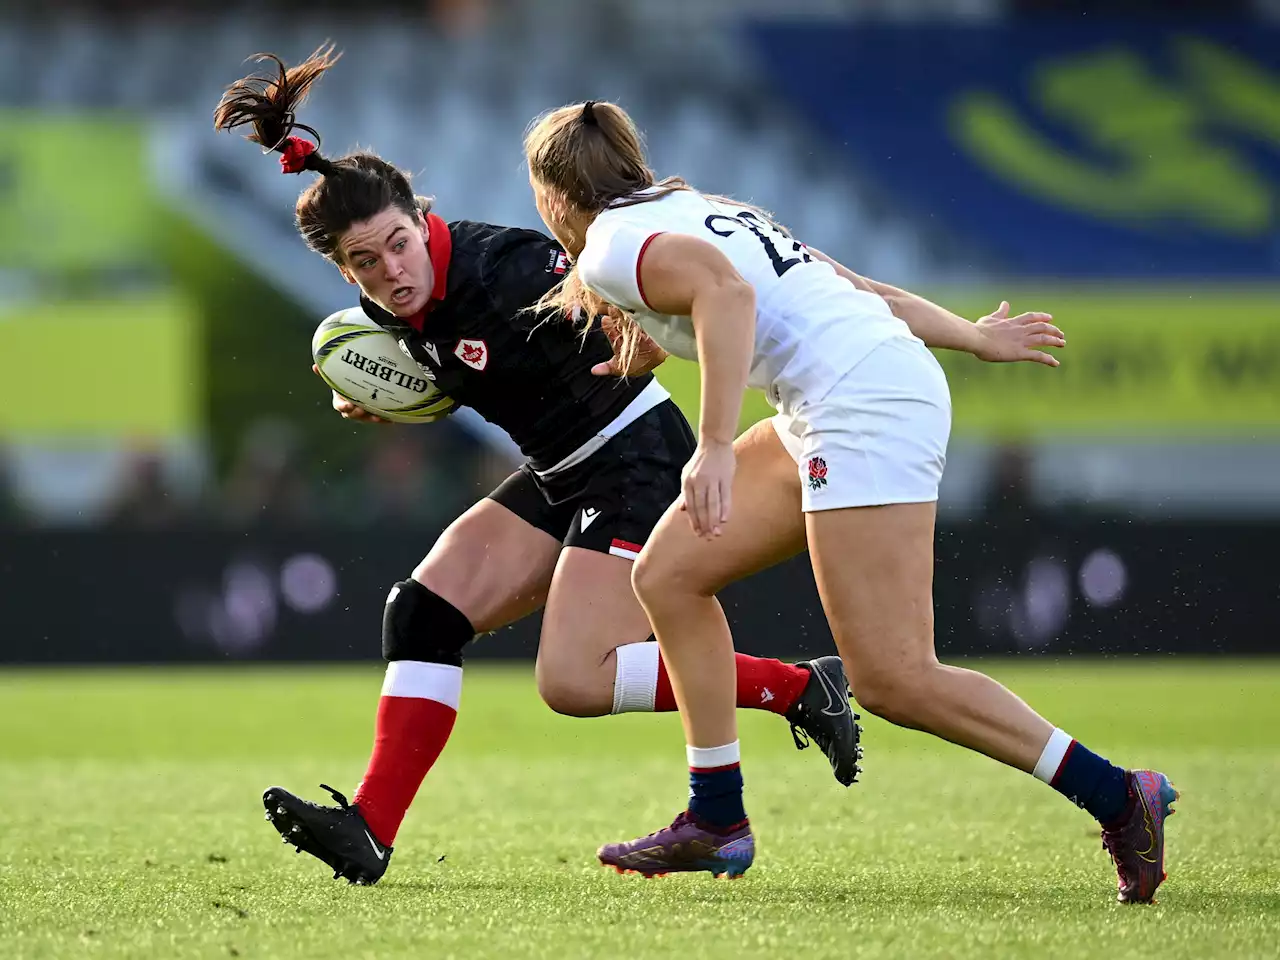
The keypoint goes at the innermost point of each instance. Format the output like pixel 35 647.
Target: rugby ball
pixel 368 366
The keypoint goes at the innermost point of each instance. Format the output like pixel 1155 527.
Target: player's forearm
pixel 724 319
pixel 935 325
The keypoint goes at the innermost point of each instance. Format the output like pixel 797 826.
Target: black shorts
pixel 612 500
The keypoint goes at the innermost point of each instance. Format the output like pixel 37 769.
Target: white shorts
pixel 880 435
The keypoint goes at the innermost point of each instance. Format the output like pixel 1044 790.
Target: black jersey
pixel 529 374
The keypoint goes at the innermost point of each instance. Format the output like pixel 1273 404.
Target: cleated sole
pixel 732 870
pixel 623 871
pixel 298 836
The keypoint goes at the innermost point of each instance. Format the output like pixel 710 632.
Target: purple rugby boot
pixel 1136 843
pixel 685 846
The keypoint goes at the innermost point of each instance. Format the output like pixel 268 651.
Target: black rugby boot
pixel 337 835
pixel 822 713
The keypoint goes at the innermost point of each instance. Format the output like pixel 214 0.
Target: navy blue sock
pixel 715 795
pixel 1092 782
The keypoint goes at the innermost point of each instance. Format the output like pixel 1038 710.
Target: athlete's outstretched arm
pixel 681 275
pixel 996 337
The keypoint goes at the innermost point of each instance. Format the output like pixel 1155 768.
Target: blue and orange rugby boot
pixel 686 846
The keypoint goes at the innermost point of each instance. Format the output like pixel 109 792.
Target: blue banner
pixel 1081 147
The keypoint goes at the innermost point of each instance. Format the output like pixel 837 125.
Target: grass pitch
pixel 131 826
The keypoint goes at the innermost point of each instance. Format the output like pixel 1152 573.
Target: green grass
pixel 131 826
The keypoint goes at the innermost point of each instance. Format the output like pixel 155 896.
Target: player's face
pixel 387 256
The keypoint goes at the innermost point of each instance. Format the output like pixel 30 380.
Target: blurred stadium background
pixel 175 489
pixel 174 486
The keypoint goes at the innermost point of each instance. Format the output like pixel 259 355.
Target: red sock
pixel 415 717
pixel 762 685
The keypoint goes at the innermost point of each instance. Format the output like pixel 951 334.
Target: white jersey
pixel 812 325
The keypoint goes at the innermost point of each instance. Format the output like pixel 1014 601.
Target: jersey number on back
pixel 768 234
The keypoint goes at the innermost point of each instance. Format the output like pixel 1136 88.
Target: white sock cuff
pixel 635 685
pixel 426 681
pixel 704 758
pixel 1052 755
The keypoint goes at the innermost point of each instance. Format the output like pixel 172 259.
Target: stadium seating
pixel 453 109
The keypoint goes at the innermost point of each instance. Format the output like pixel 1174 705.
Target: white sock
pixel 1051 756
pixel 635 685
pixel 426 681
pixel 707 758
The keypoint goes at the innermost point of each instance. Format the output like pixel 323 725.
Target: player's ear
pixel 347 275
pixel 556 207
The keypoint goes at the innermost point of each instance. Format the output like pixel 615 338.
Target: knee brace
pixel 420 625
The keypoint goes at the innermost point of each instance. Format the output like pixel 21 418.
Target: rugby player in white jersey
pixel 849 467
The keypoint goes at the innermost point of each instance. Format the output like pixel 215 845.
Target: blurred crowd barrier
pixel 161 421
pixel 1007 583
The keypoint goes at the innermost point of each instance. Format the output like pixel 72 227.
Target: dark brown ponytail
pixel 270 104
pixel 352 188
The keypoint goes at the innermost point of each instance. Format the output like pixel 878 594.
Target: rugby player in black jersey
pixel 604 456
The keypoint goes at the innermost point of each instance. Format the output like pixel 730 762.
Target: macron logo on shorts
pixel 589 515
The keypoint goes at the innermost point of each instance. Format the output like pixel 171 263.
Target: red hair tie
pixel 295 153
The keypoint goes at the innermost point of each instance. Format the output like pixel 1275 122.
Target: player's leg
pixel 676 579
pixel 591 611
pixel 490 567
pixel 590 664
pixel 874 569
pixel 594 658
